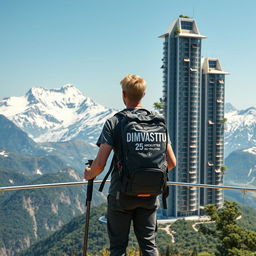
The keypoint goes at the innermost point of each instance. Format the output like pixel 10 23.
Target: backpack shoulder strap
pixel 111 168
pixel 165 193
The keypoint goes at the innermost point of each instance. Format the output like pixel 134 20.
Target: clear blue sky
pixel 93 44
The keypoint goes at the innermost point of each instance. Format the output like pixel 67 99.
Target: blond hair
pixel 134 86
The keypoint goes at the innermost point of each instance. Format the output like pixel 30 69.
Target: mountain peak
pixel 57 114
pixel 69 89
pixel 229 108
pixel 248 111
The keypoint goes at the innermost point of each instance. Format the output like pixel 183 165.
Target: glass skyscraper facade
pixel 212 132
pixel 185 115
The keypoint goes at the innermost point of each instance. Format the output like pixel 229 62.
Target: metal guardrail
pixel 79 183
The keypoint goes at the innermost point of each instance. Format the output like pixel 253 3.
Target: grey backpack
pixel 141 163
pixel 143 153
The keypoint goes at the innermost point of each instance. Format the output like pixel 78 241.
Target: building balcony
pixel 221 81
pixel 194 110
pixel 219 162
pixel 192 180
pixel 210 164
pixel 193 69
pixel 192 206
pixel 192 198
pixel 218 180
pixel 186 60
pixel 210 122
pixel 219 101
pixel 219 192
pixel 217 170
pixel 194 46
pixel 219 200
pixel 193 194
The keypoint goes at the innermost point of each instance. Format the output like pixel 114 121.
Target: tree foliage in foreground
pixel 235 240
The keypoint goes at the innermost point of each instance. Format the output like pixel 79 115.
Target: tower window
pixel 212 64
pixel 188 25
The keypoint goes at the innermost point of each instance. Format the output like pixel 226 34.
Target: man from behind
pixel 142 154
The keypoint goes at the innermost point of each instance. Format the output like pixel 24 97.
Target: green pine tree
pixel 234 239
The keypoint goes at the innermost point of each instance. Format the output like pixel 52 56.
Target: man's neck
pixel 133 106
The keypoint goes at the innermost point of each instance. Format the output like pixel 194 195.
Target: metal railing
pixel 79 183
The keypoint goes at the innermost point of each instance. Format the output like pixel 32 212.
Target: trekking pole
pixel 88 208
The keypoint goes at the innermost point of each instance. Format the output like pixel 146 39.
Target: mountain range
pixel 51 115
pixel 64 114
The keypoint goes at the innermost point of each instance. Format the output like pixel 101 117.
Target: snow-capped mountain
pixel 50 115
pixel 240 128
pixel 241 167
pixel 241 172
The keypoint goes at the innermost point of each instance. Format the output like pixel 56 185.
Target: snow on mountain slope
pixel 251 150
pixel 240 129
pixel 56 114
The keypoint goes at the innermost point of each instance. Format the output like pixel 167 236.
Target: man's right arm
pixel 105 143
pixel 99 163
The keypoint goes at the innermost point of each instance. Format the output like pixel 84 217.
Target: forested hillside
pixel 187 237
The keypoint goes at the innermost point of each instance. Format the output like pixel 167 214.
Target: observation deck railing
pixel 79 183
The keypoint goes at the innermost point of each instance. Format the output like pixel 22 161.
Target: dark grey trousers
pixel 140 211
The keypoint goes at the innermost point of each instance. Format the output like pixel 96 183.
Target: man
pixel 122 209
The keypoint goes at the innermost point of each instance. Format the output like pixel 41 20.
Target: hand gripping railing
pixel 79 183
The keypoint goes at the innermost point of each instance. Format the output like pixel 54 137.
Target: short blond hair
pixel 134 86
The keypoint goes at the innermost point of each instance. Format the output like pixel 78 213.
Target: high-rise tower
pixel 181 94
pixel 193 96
pixel 212 130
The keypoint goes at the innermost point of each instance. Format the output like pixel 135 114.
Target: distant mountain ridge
pixel 240 128
pixel 13 138
pixel 241 172
pixel 19 152
pixel 51 115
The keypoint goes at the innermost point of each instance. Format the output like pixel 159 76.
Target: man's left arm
pixel 99 163
pixel 171 159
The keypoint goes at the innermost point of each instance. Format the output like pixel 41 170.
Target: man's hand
pixel 88 173
pixel 99 163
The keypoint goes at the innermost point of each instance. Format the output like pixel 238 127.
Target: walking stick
pixel 88 208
